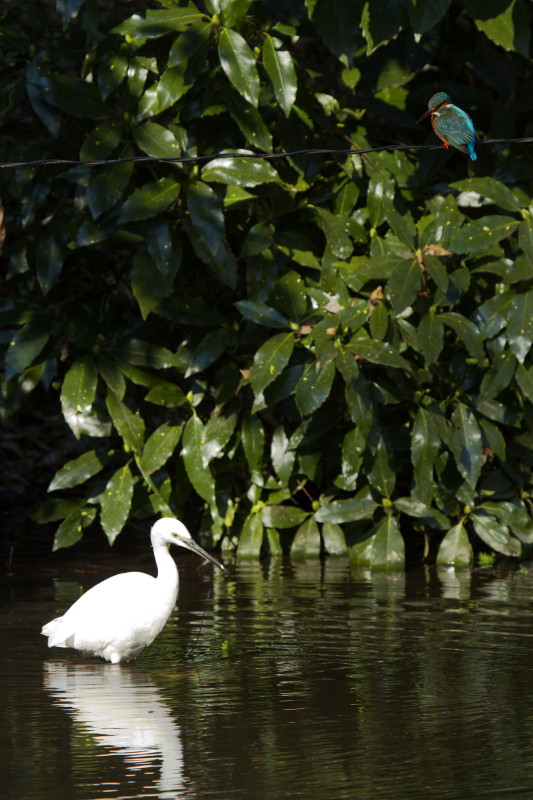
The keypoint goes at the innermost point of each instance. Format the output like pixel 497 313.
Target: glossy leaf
pixel 238 62
pixel 26 344
pixel 491 188
pixel 79 470
pixel 306 543
pixel 498 377
pixel 193 458
pixel 158 22
pixel 280 70
pixel 71 529
pixel 334 539
pixel 520 325
pixel 341 511
pixel 466 330
pixel 251 537
pixel 425 443
pixel 455 548
pixel 115 502
pixel 404 285
pixel 150 200
pixel 470 456
pixel 382 475
pixel 431 335
pixel 270 360
pixel 381 353
pixel 217 433
pixel 130 426
pixel 249 120
pixel 159 447
pixel 496 535
pixel 315 384
pixel 385 549
pixel 262 314
pixel 77 395
pixel 240 171
pixel 283 516
pixel 253 440
pixel 209 241
pixel 156 140
pixel 483 233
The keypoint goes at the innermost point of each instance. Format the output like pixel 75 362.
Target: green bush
pixel 315 349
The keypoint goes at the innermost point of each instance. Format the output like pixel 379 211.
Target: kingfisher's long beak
pixel 190 544
pixel 425 116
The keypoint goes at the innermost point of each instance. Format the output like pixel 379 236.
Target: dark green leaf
pixel 404 285
pixel 79 470
pixel 425 443
pixel 466 330
pixel 381 353
pixel 283 516
pixel 382 476
pixel 481 234
pixel 150 200
pixel 340 511
pixel 262 314
pixel 193 457
pixel 240 171
pixel 498 377
pixel 270 360
pixel 251 537
pixel 71 529
pixel 253 440
pixel 158 22
pixel 130 426
pixel 470 458
pixel 155 140
pixel 238 62
pixel 520 325
pixel 455 548
pixel 248 119
pixel 334 540
pixel 77 395
pixel 208 221
pixel 431 335
pixel 159 447
pixel 26 344
pixel 424 16
pixel 492 189
pixel 315 384
pixel 280 70
pixel 217 433
pixel 116 502
pixel 306 543
pixel 495 534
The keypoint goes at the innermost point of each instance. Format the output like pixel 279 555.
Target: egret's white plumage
pixel 122 615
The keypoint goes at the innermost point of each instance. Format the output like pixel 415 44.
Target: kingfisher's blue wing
pixel 456 127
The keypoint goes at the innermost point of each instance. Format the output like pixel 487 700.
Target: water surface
pixel 287 680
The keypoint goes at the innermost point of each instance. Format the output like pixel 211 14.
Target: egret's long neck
pixel 167 572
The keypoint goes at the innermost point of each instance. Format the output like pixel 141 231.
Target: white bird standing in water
pixel 122 615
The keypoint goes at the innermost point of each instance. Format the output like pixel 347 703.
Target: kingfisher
pixel 451 124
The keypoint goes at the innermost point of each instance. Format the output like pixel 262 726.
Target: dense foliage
pixel 310 350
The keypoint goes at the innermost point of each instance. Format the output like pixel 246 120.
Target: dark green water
pixel 307 680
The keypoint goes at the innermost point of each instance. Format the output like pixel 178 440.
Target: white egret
pixel 122 615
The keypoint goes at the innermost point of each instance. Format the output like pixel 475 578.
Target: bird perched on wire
pixel 451 124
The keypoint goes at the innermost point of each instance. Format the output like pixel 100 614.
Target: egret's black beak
pixel 190 544
pixel 425 116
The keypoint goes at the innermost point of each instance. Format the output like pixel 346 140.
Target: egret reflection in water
pixel 124 712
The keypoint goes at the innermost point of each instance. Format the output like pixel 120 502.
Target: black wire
pixel 192 159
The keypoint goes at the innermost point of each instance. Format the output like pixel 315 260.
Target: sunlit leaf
pixel 115 502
